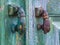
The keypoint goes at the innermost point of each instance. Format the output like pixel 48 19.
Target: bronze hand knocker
pixel 46 23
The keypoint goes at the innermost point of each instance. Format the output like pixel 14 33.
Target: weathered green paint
pixel 21 38
pixel 27 22
pixel 39 38
pixel 53 7
pixel 6 36
pixel 2 25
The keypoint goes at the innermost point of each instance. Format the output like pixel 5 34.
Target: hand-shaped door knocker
pixel 18 18
pixel 46 23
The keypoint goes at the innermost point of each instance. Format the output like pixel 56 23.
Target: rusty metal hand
pixel 46 23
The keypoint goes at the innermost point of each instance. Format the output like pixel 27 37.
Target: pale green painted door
pixel 6 36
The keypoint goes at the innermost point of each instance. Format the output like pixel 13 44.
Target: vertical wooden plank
pixel 27 22
pixel 30 29
pixel 2 22
pixel 38 33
